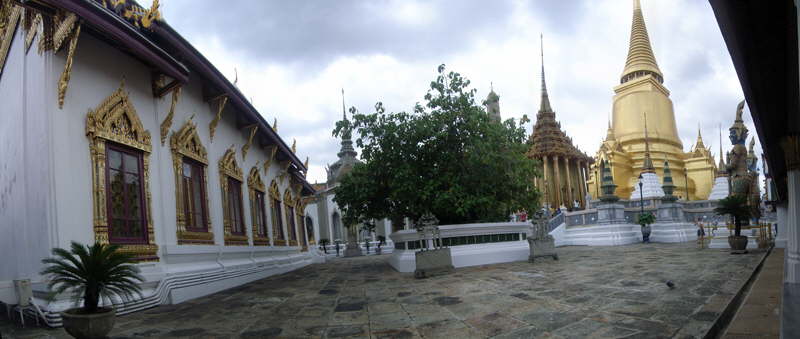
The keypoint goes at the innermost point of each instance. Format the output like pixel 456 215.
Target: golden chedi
pixel 641 92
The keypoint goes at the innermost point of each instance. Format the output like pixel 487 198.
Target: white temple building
pixel 116 130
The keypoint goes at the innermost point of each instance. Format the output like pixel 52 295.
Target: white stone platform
pixel 673 232
pixel 720 239
pixel 598 235
pixel 720 189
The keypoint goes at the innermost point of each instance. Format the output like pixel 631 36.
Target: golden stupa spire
pixel 647 165
pixel 610 132
pixel 641 60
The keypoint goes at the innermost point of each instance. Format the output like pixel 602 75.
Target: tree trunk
pixel 90 299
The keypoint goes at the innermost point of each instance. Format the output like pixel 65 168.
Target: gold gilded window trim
pixel 300 223
pixel 254 184
pixel 115 120
pixel 289 201
pixel 275 194
pixel 305 201
pixel 187 143
pixel 228 168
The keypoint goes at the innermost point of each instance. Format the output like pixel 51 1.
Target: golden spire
pixel 545 101
pixel 641 60
pixel 610 132
pixel 721 171
pixel 699 143
pixel 647 165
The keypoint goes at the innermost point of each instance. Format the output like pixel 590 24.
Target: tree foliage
pixel 447 157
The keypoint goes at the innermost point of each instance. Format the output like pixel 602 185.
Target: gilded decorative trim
pixel 229 168
pixel 33 29
pixel 275 125
pixel 212 127
pixel 791 150
pixel 300 223
pixel 246 147
pixel 294 145
pixel 45 34
pixel 271 150
pixel 167 123
pixel 115 120
pixel 305 171
pixel 63 30
pixel 64 81
pixel 8 27
pixel 187 143
pixel 288 200
pixel 254 184
pixel 283 169
pixel 275 194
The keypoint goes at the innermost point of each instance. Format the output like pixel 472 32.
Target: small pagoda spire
pixel 347 142
pixel 641 60
pixel 545 101
pixel 647 165
pixel 721 168
pixel 610 133
pixel 668 186
pixel 699 143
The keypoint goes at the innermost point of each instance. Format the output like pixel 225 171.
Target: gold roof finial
pixel 545 100
pixel 641 60
pixel 275 125
pixel 294 145
pixel 721 170
pixel 699 143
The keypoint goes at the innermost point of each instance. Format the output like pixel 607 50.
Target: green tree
pixel 447 157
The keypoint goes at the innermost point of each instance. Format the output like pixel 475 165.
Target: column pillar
pixel 546 183
pixel 792 268
pixel 581 184
pixel 569 198
pixel 556 183
pixel 780 237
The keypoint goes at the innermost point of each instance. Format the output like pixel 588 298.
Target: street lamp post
pixel 641 207
pixel 686 180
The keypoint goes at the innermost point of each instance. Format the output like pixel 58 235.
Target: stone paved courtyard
pixel 590 292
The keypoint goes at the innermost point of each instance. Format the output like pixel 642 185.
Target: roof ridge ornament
pixel 545 98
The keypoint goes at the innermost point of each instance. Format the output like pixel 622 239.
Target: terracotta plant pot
pixel 738 244
pixel 88 326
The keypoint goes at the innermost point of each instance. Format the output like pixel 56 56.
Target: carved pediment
pixel 229 166
pixel 274 190
pixel 187 142
pixel 254 179
pixel 116 120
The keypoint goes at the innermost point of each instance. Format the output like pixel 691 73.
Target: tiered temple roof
pixel 548 139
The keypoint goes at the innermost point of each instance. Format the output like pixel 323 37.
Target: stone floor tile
pixel 493 324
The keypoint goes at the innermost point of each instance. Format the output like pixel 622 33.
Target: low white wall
pixel 404 260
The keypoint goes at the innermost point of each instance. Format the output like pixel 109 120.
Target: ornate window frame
pixel 228 168
pixel 291 219
pixel 115 120
pixel 301 223
pixel 186 143
pixel 255 186
pixel 278 233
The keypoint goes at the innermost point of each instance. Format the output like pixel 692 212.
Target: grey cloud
pixel 291 32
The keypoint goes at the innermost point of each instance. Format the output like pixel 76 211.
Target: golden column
pixel 569 198
pixel 557 185
pixel 547 180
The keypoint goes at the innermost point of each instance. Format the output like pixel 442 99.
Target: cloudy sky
pixel 294 57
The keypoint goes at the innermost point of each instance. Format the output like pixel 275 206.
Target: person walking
pixel 701 235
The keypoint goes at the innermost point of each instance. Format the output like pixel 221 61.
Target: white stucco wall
pixel 45 173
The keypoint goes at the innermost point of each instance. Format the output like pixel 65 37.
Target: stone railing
pixel 580 218
pixel 555 221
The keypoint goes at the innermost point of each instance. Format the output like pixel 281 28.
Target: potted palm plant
pixel 645 219
pixel 91 274
pixel 736 207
